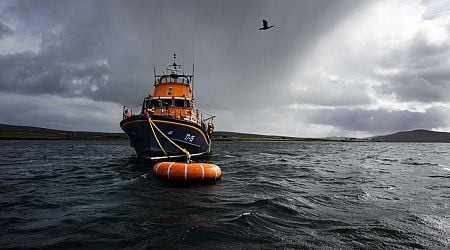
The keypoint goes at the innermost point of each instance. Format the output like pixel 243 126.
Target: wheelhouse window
pixel 152 103
pixel 179 103
pixel 166 102
pixel 157 103
pixel 173 78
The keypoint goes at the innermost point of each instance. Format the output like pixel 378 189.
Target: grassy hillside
pixel 233 136
pixel 12 132
pixel 420 135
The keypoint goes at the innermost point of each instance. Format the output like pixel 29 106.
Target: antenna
pixel 182 56
pixel 193 64
pixel 154 62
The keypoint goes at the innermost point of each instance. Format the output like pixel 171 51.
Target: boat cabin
pixel 172 95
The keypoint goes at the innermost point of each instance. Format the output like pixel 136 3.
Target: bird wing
pixel 264 23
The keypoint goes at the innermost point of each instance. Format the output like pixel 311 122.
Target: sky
pixel 326 68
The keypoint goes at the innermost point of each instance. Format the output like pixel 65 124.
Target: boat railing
pixel 205 117
pixel 182 113
pixel 128 111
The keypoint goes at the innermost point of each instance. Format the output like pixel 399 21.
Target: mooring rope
pixel 156 137
pixel 152 124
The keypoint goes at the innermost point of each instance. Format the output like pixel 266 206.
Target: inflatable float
pixel 183 172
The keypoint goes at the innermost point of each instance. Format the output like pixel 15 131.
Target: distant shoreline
pixel 13 132
pixel 74 136
pixel 26 135
pixel 288 140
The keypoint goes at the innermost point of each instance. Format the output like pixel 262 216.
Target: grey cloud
pixel 41 15
pixel 423 71
pixel 25 73
pixel 436 8
pixel 70 62
pixel 417 89
pixel 233 57
pixel 103 51
pixel 332 93
pixel 5 31
pixel 50 111
pixel 380 120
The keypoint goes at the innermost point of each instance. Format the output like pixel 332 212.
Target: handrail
pixel 127 111
pixel 205 113
pixel 200 117
pixel 209 116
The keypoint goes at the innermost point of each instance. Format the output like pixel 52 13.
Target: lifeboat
pixel 167 117
pixel 187 172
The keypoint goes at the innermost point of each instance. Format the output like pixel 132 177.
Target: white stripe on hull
pixel 171 156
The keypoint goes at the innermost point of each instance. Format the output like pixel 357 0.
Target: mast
pixel 192 81
pixel 154 62
pixel 193 64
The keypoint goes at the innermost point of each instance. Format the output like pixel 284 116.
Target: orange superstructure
pixel 172 89
pixel 172 96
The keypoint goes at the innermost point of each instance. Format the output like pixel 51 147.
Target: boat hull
pixel 186 134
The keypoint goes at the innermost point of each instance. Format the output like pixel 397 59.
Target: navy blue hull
pixel 186 134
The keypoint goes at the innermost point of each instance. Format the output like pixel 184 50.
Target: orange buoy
pixel 187 172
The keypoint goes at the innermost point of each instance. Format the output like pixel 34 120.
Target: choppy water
pixel 70 194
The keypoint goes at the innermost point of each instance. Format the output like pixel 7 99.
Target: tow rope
pixel 152 124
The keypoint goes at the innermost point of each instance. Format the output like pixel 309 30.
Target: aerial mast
pixel 193 68
pixel 154 61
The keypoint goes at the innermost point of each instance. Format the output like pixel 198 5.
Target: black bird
pixel 265 25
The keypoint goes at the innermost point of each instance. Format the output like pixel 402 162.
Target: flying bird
pixel 265 25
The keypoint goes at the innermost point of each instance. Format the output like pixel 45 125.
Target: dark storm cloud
pixel 422 70
pixel 103 52
pixel 381 120
pixel 103 49
pixel 24 73
pixel 51 111
pixel 417 88
pixel 40 15
pixel 5 31
pixel 73 59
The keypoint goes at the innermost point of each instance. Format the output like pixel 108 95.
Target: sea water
pixel 95 194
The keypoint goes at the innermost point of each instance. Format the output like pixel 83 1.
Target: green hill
pixel 419 135
pixel 234 136
pixel 13 132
